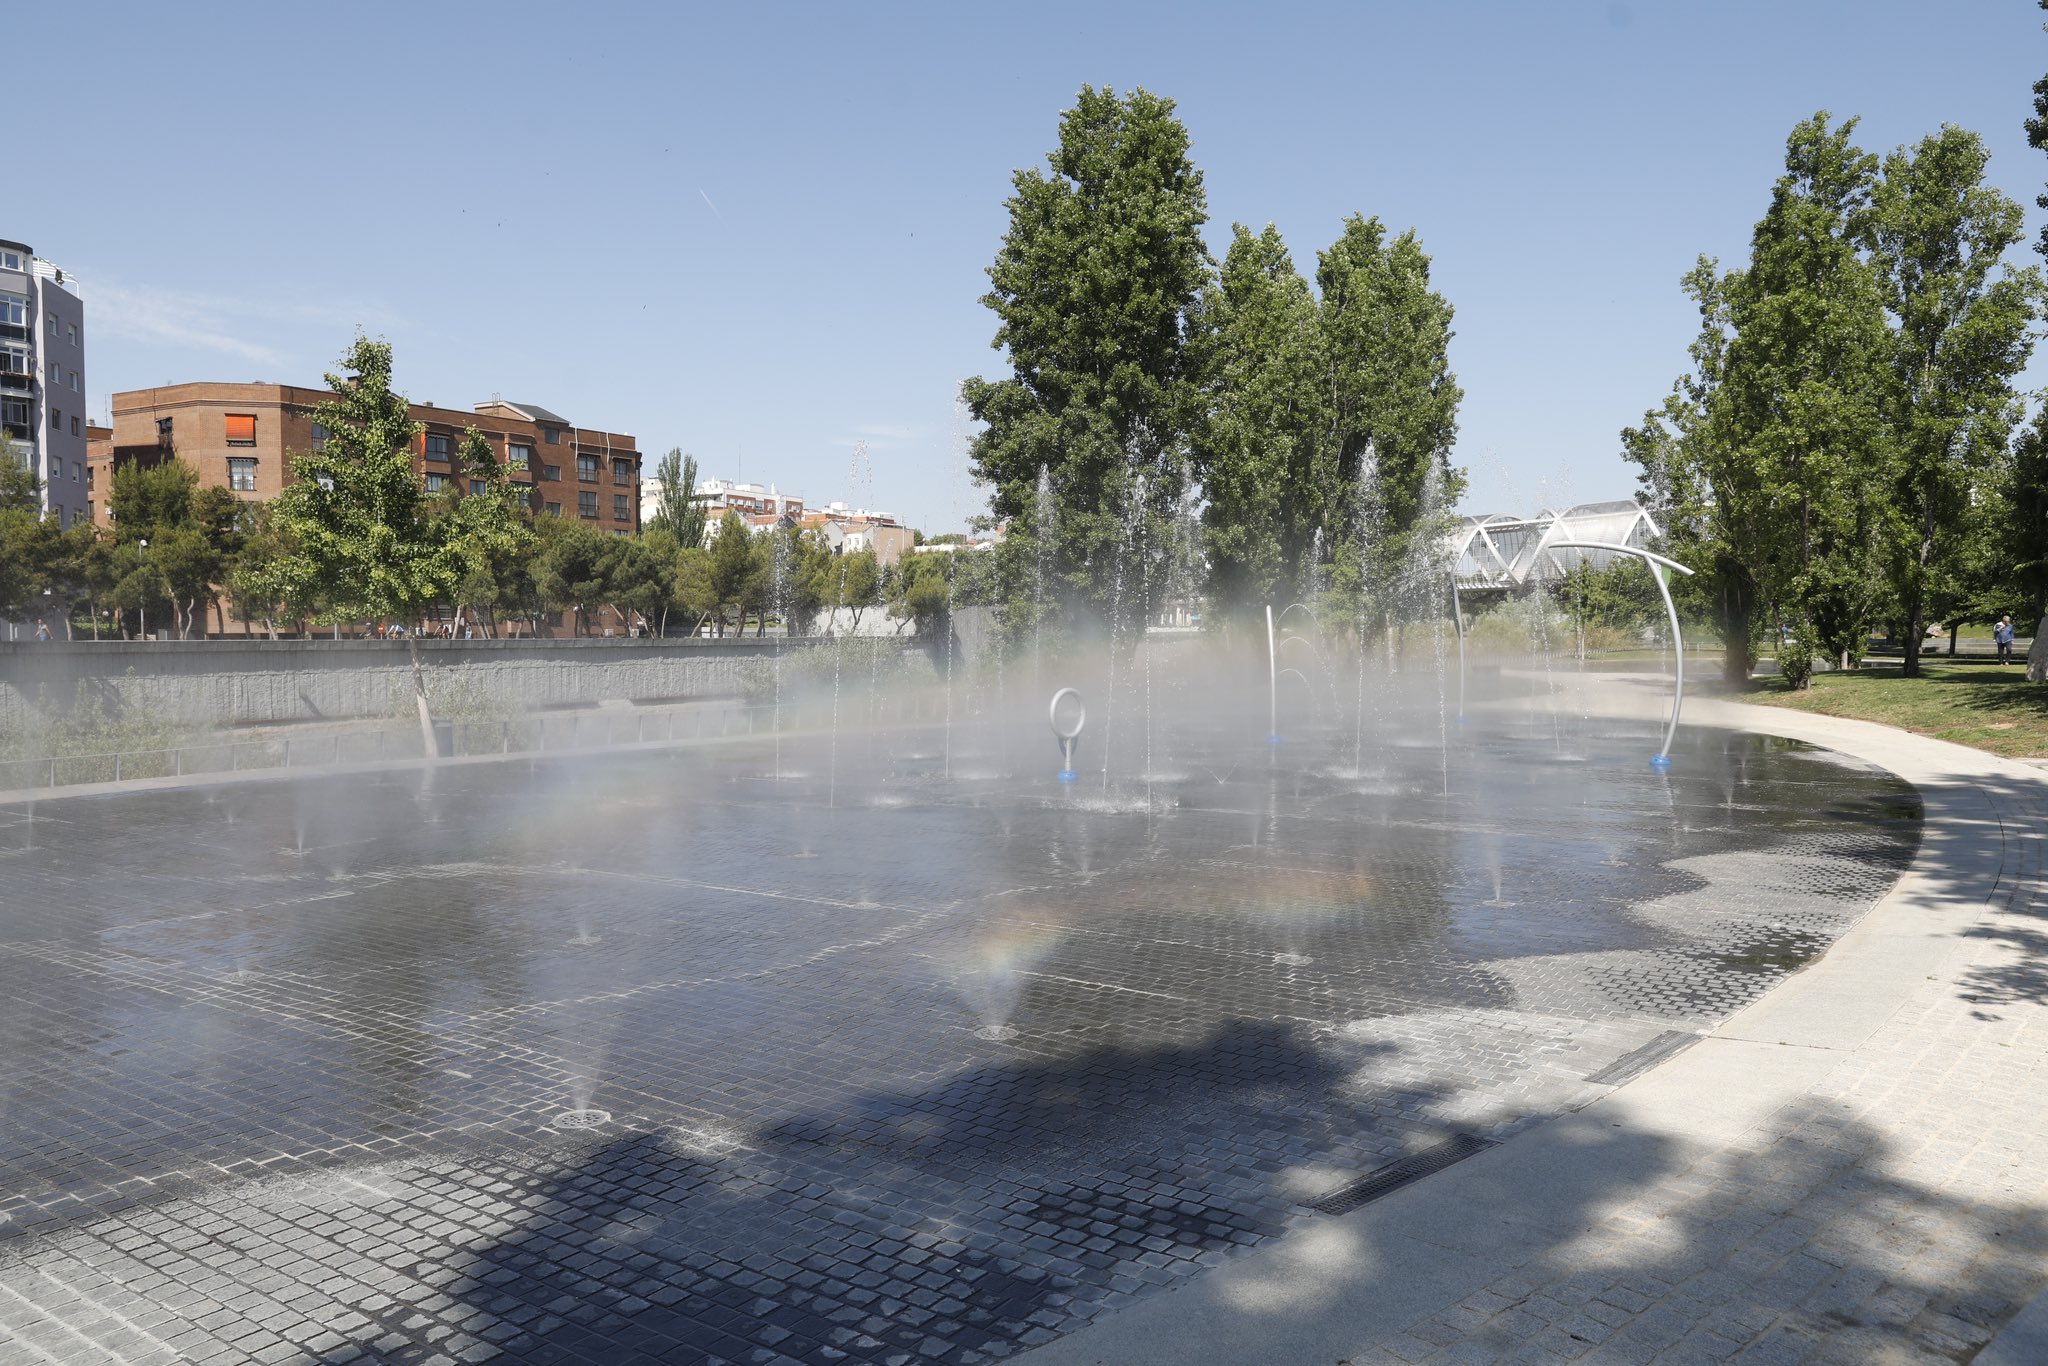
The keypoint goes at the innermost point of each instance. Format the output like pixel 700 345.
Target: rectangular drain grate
pixel 1390 1178
pixel 1629 1066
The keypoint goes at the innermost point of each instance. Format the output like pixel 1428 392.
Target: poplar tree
pixel 1389 388
pixel 1805 387
pixel 1092 289
pixel 1962 321
pixel 1775 460
pixel 1256 448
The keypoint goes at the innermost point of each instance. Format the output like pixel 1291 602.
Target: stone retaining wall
pixel 236 683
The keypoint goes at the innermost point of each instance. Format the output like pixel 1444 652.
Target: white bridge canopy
pixel 1498 551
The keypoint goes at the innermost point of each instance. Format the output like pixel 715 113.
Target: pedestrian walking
pixel 42 630
pixel 2001 634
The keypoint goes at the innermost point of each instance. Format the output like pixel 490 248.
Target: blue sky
pixel 759 232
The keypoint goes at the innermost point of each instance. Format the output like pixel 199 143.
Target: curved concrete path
pixel 1854 1169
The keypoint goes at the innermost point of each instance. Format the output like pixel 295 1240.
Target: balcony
pixel 16 381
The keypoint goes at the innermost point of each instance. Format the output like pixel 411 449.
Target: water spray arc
pixel 1458 623
pixel 1662 758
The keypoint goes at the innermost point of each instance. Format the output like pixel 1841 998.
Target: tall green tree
pixel 2021 529
pixel 26 539
pixel 1266 421
pixel 487 528
pixel 1806 387
pixel 1092 290
pixel 1390 393
pixel 574 570
pixel 1773 459
pixel 179 540
pixel 1963 320
pixel 682 512
pixel 362 539
pixel 731 571
pixel 857 584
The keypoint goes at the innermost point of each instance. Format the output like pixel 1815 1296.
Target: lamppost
pixel 142 603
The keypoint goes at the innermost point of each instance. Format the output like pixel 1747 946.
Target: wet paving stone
pixel 900 1068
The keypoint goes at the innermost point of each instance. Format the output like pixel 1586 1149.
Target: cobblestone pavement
pixel 1849 1171
pixel 928 1068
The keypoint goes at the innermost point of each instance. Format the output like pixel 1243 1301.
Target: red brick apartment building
pixel 243 436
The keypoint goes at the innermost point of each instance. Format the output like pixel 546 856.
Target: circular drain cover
pixel 995 1032
pixel 582 1119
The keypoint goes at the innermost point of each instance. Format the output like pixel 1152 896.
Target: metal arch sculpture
pixel 1662 759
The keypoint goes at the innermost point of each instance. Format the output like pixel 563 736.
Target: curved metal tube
pixel 1655 561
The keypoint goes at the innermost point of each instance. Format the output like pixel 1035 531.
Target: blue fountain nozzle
pixel 1273 740
pixel 1067 775
pixel 1660 762
pixel 1459 719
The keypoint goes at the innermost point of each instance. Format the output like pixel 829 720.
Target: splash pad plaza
pixel 869 1042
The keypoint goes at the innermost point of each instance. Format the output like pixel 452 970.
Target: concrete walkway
pixel 1854 1169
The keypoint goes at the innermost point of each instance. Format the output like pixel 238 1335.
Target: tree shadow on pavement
pixel 993 1212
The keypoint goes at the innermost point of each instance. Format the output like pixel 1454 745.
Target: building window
pixel 163 431
pixel 552 436
pixel 519 455
pixel 14 310
pixel 436 482
pixel 555 508
pixel 622 472
pixel 74 381
pixel 57 419
pixel 74 426
pixel 14 361
pixel 10 260
pixel 621 510
pixel 586 469
pixel 437 448
pixel 242 473
pixel 320 435
pixel 71 333
pixel 241 429
pixel 476 486
pixel 52 326
pixel 586 503
pixel 77 471
pixel 14 416
pixel 552 472
pixel 88 509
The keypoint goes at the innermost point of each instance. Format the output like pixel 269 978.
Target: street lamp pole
pixel 142 604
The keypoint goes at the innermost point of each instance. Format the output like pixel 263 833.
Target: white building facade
pixel 42 377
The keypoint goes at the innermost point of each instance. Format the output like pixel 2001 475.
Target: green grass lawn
pixel 1970 703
